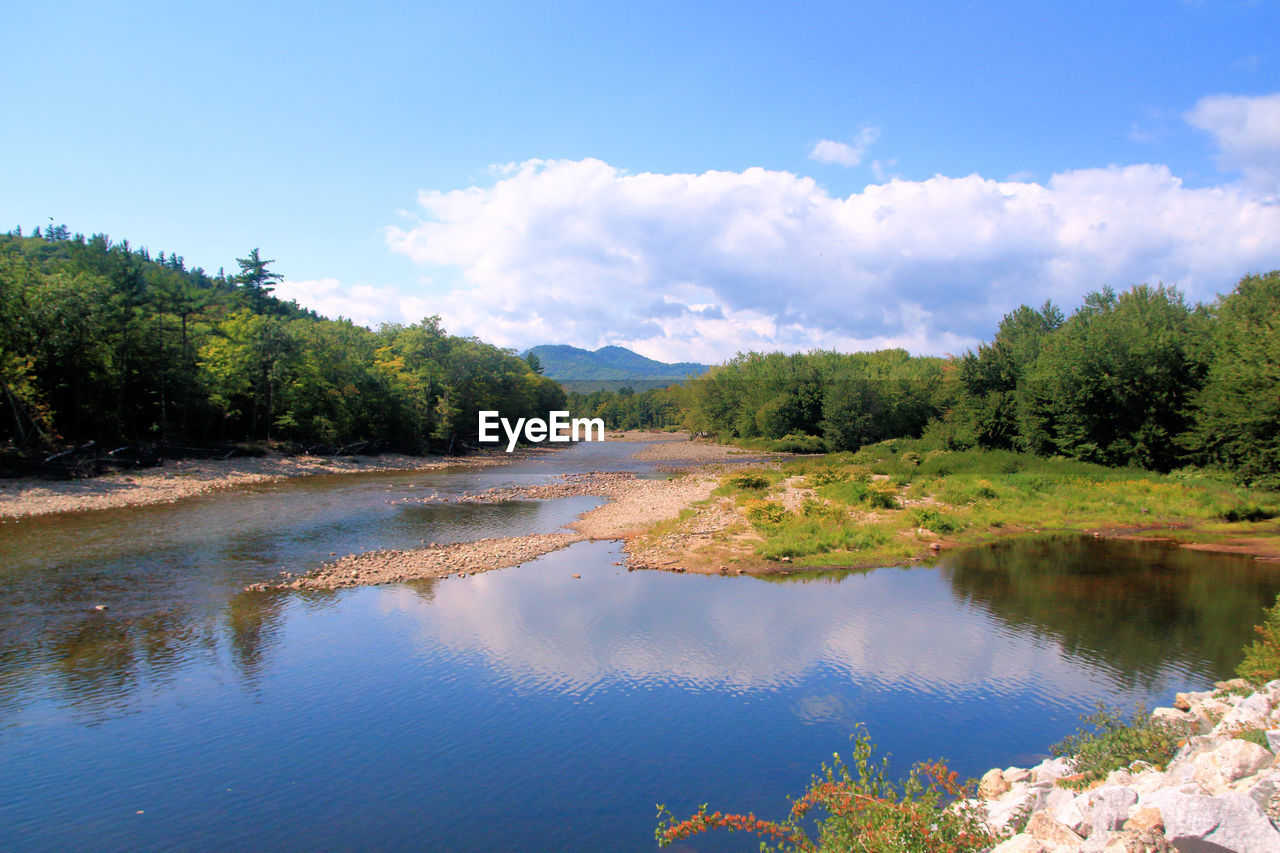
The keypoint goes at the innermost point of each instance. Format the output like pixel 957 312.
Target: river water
pixel 525 709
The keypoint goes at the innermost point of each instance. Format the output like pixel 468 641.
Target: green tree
pixel 1238 410
pixel 1114 384
pixel 244 365
pixel 991 377
pixel 256 279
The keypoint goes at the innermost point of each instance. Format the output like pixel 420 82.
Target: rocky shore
pixel 596 483
pixel 177 479
pixel 434 561
pixel 184 478
pixel 633 507
pixel 1220 792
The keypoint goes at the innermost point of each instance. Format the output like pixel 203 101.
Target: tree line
pixel 101 341
pixel 1140 378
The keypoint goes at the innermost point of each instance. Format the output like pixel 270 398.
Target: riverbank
pixel 726 511
pixel 890 504
pixel 177 479
pixel 632 506
pixel 184 478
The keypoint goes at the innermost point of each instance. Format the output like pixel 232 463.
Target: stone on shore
pixel 1235 759
pixel 1200 824
pixel 1219 793
pixel 993 784
pixel 1051 770
pixel 1054 836
pixel 1108 807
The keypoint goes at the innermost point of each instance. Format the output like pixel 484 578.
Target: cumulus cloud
pixel 1247 133
pixel 699 266
pixel 842 153
pixel 362 304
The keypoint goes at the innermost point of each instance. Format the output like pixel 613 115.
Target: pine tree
pixel 257 280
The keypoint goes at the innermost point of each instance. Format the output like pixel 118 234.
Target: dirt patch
pixel 1261 550
pixel 645 503
pixel 1263 544
pixel 715 540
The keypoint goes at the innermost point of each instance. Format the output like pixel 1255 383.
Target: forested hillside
pixel 1137 378
pixel 102 342
pixel 610 368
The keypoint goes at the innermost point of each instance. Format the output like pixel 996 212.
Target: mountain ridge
pixel 610 366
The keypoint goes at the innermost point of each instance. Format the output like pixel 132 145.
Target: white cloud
pixel 361 303
pixel 699 266
pixel 842 153
pixel 1247 132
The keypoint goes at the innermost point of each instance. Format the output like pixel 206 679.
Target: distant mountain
pixel 610 368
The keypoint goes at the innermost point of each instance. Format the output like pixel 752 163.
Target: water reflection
pixel 1133 608
pixel 1069 610
pixel 890 628
pixel 170 576
pixel 254 624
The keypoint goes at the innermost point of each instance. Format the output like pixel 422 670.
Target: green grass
pixel 974 494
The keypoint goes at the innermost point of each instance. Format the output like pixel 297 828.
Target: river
pixel 525 709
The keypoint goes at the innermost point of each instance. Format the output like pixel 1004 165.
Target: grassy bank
pixel 892 501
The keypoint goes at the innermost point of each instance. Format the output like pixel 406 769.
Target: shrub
pixel 865 812
pixel 811 508
pixel 754 482
pixel 1247 512
pixel 1262 657
pixel 765 512
pixel 911 458
pixel 882 496
pixel 859 473
pixel 1113 743
pixel 983 490
pixel 930 519
pixel 825 476
pixel 798 444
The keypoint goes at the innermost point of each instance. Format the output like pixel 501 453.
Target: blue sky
pixel 687 179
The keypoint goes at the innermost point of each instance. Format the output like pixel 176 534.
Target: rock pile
pixel 1219 793
pixel 434 561
pixel 608 484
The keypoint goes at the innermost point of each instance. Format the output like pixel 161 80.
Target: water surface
pixel 525 709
